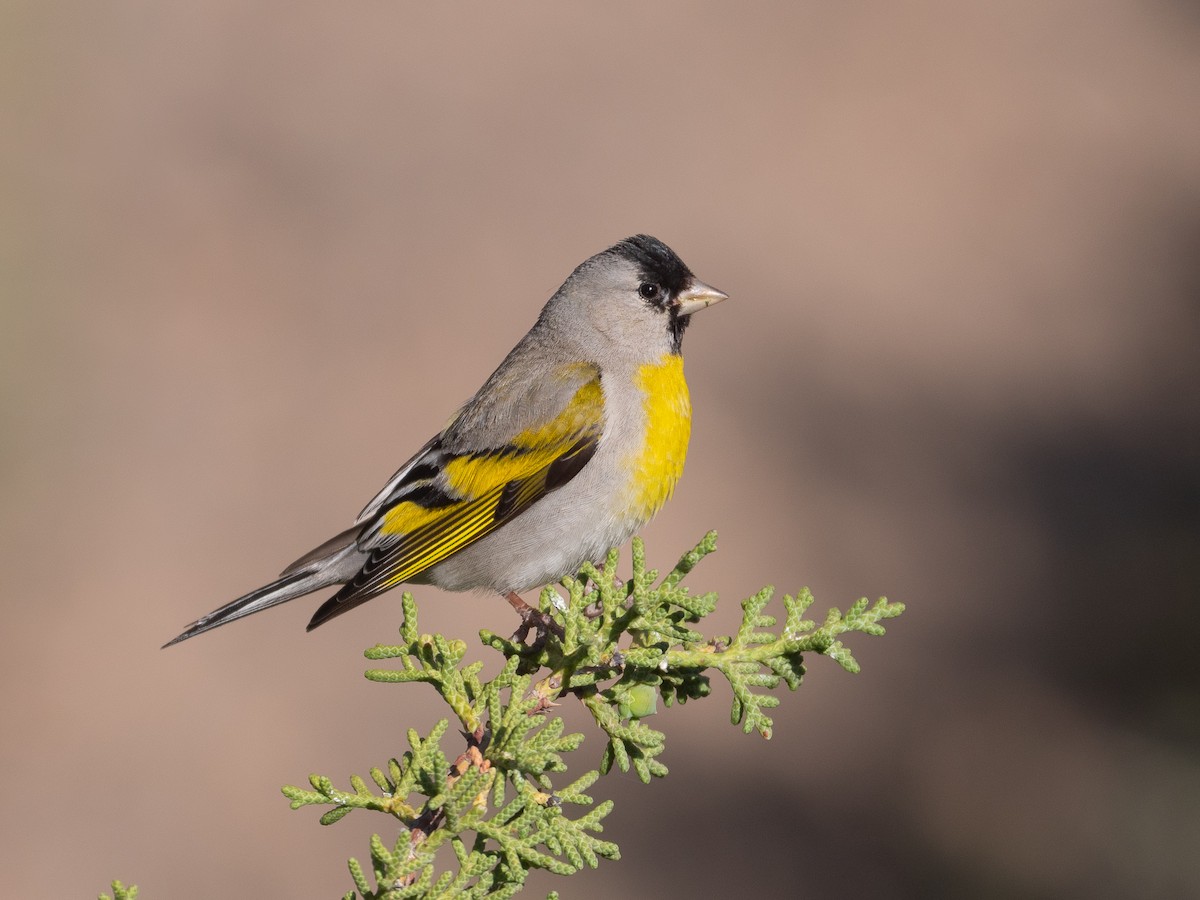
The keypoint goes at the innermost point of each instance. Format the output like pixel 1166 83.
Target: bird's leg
pixel 531 618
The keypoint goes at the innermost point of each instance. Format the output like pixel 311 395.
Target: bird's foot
pixel 534 620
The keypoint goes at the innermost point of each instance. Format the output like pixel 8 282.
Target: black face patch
pixel 656 263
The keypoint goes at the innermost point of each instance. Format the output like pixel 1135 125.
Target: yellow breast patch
pixel 658 464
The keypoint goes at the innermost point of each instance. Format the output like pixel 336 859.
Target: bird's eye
pixel 648 291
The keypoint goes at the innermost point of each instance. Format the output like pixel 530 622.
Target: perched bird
pixel 570 447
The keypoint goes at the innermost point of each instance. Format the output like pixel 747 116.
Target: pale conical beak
pixel 697 297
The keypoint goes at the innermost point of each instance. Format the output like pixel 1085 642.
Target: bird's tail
pixel 334 562
pixel 289 587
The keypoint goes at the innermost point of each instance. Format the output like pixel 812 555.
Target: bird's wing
pixel 429 454
pixel 444 500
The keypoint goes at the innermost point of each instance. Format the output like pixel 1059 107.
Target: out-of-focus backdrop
pixel 254 256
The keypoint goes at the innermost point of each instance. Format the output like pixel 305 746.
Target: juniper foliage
pixel 503 805
pixel 120 892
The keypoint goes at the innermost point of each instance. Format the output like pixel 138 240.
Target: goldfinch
pixel 571 446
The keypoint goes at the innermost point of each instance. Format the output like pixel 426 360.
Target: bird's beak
pixel 696 297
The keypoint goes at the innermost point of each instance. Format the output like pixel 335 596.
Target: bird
pixel 568 449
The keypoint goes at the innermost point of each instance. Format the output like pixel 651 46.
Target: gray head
pixel 632 301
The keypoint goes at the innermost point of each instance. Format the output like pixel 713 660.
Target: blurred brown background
pixel 252 258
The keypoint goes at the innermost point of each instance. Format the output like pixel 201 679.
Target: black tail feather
pixel 341 602
pixel 279 591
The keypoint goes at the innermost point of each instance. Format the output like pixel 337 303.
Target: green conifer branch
pixel 120 892
pixel 617 646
